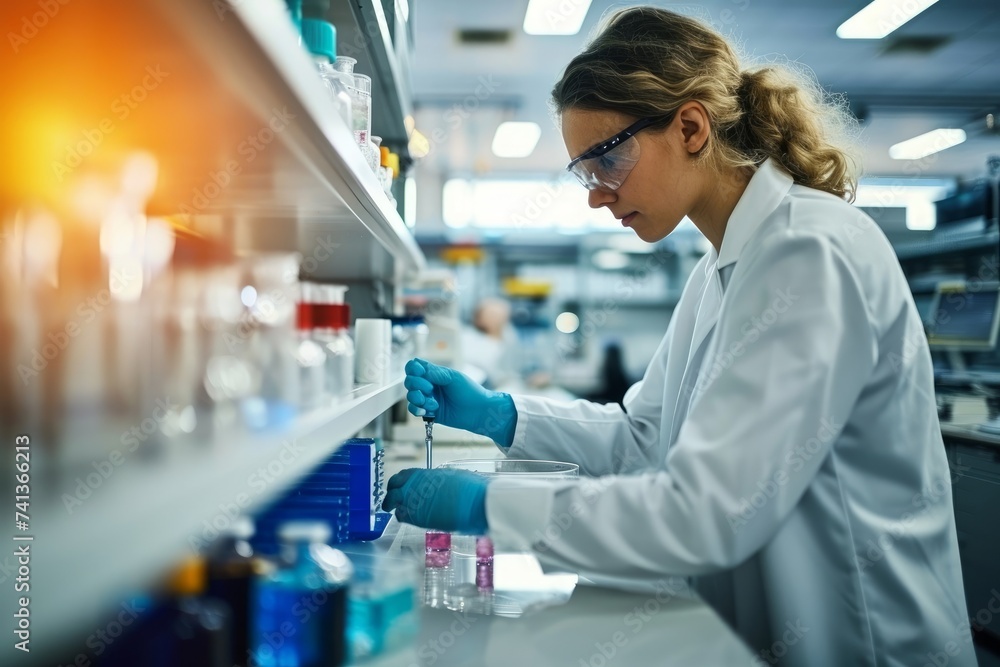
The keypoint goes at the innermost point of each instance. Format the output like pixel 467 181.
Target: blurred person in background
pixel 486 344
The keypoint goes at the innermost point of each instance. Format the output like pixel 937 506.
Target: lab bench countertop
pixel 597 627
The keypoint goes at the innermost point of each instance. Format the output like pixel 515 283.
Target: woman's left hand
pixel 441 499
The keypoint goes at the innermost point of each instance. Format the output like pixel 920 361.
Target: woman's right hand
pixel 454 399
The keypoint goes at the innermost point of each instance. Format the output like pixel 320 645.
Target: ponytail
pixel 785 117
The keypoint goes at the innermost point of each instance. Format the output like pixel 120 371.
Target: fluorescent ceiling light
pixel 926 144
pixel 881 18
pixel 556 17
pixel 516 139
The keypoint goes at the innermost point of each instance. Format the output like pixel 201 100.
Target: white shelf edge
pixel 139 525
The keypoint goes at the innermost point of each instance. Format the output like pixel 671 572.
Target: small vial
pixel 437 549
pixel 484 564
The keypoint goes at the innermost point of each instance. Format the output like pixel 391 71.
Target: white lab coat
pixel 782 451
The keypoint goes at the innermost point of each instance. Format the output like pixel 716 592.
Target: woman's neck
pixel 719 195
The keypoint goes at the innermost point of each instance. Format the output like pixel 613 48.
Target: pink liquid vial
pixel 484 564
pixel 437 549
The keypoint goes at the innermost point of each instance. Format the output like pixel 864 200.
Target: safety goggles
pixel 609 163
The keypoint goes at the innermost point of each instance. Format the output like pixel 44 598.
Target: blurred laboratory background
pixel 226 225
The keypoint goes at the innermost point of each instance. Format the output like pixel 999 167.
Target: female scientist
pixel 782 450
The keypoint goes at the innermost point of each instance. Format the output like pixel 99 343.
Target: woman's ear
pixel 694 126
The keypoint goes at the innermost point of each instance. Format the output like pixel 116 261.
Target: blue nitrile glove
pixel 454 399
pixel 440 499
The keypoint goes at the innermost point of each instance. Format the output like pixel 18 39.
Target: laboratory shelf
pixel 977 241
pixel 386 56
pixel 147 515
pixel 318 176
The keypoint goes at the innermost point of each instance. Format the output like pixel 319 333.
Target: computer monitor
pixel 972 202
pixel 965 317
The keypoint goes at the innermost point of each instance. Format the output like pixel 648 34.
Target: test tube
pixel 437 549
pixel 484 564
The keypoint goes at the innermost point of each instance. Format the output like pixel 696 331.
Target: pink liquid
pixel 484 563
pixel 437 549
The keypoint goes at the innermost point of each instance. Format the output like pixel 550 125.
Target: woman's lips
pixel 627 220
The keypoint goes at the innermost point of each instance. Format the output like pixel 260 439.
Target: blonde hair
pixel 647 62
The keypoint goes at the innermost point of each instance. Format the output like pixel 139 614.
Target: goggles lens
pixel 610 170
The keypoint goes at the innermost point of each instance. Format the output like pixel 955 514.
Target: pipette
pixel 429 439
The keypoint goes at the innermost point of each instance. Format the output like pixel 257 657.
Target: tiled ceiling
pixel 901 93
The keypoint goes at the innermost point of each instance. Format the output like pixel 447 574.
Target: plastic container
pixel 373 359
pixel 517 468
pixel 320 38
pixel 331 318
pixel 360 88
pixel 311 359
pixel 385 172
pixel 374 156
pixel 271 296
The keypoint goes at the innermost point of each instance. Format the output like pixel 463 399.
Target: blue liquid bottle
pixel 383 603
pixel 301 607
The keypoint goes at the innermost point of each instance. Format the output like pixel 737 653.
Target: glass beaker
pixel 518 468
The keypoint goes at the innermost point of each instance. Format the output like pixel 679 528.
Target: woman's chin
pixel 652 233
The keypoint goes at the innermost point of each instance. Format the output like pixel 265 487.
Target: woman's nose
pixel 599 197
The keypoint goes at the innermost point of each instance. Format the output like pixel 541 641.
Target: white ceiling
pixel 903 95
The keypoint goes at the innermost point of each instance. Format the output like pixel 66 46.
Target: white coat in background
pixel 782 451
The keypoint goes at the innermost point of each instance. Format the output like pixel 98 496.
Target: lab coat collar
pixel 766 189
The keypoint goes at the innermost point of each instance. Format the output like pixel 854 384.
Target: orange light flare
pixel 88 85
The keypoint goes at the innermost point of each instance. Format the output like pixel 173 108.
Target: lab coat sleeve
pixel 793 349
pixel 601 439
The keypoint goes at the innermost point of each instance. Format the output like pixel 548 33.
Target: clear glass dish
pixel 517 468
